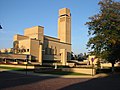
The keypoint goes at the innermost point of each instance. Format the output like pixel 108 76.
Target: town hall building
pixel 46 49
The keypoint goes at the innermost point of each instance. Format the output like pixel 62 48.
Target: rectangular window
pixel 27 50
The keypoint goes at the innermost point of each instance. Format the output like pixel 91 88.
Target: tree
pixel 104 29
pixel 85 56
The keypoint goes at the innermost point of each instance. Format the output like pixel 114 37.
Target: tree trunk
pixel 113 67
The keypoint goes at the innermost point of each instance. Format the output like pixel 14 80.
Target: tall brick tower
pixel 64 25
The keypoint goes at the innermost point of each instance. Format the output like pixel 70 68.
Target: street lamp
pixel 92 59
pixel 0 28
pixel 27 58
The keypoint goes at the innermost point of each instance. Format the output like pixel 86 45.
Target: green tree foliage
pixel 104 29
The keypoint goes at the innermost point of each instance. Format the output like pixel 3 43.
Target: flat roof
pixel 13 56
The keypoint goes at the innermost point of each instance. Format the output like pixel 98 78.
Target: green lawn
pixel 53 72
pixel 11 68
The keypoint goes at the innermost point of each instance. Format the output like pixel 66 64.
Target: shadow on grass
pixel 111 82
pixel 62 73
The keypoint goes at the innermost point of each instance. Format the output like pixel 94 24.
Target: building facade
pixel 44 48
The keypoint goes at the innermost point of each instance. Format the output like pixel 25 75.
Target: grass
pixel 53 72
pixel 11 68
pixel 44 72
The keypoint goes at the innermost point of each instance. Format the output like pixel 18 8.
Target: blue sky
pixel 16 15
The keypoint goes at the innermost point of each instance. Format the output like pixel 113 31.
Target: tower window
pixel 55 52
pixel 63 15
pixel 27 50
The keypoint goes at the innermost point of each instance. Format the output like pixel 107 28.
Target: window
pixel 46 50
pixel 55 51
pixel 27 50
pixel 24 50
pixel 51 50
pixel 19 50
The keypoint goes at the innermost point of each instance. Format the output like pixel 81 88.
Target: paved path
pixel 15 81
pixel 20 81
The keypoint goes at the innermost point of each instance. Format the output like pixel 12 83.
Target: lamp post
pixel 0 28
pixel 27 58
pixel 92 59
pixel 26 67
